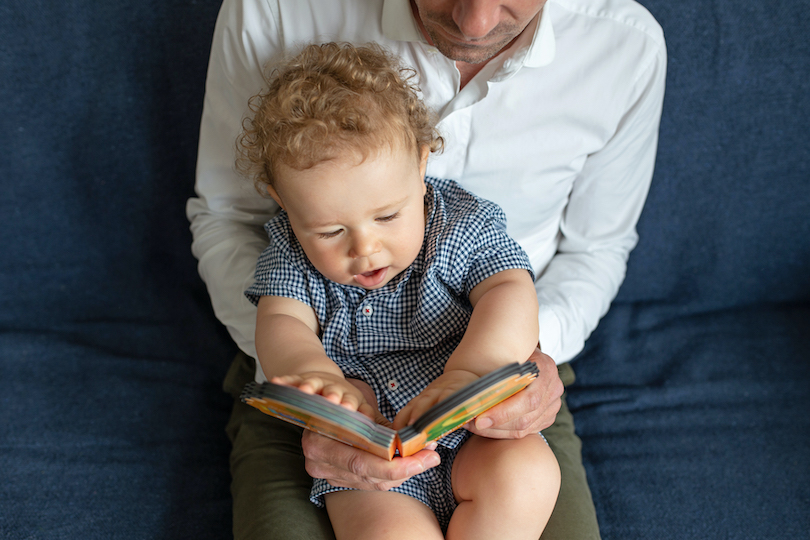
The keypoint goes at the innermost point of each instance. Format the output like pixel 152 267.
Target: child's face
pixel 359 223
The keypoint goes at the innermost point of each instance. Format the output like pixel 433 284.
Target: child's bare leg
pixel 383 515
pixel 505 488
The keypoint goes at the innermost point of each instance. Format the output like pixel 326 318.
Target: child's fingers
pixel 308 384
pixel 422 406
pixel 339 392
pixel 413 410
pixel 287 380
pixel 312 385
pixel 350 401
pixel 342 394
pixel 439 390
pixel 371 412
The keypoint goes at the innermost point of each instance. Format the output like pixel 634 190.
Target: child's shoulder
pixel 282 241
pixel 462 207
pixel 279 230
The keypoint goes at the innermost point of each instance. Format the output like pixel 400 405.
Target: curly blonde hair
pixel 330 99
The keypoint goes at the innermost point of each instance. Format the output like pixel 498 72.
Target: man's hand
pixel 344 466
pixel 529 411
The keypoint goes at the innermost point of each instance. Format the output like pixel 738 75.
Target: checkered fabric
pixel 399 337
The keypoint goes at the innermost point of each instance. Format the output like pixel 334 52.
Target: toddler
pixel 385 291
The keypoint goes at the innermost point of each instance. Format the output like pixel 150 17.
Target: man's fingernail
pixel 483 423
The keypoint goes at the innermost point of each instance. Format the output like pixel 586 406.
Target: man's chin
pixel 469 54
pixel 466 54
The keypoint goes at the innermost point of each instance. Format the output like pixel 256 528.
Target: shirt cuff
pixel 550 334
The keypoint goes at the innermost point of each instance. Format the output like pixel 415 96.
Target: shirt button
pixel 393 385
pixel 368 311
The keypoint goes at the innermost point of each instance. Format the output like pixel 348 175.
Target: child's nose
pixel 364 245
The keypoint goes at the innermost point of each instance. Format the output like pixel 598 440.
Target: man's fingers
pixel 529 411
pixel 344 466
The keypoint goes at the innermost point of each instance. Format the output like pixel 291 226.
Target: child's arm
pixel 290 352
pixel 503 328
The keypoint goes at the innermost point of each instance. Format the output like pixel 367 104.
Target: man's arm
pixel 227 214
pixel 598 226
pixel 597 234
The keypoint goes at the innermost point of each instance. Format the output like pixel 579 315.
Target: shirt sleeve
pixel 494 251
pixel 279 272
pixel 227 213
pixel 475 244
pixel 598 227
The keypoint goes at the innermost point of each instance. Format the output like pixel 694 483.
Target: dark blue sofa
pixel 693 395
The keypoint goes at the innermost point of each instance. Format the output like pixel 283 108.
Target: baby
pixel 385 292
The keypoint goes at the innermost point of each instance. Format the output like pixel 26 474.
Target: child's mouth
pixel 371 279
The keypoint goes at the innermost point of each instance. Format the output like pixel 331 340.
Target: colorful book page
pixel 317 414
pixel 465 405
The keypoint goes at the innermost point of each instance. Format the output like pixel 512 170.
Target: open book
pixel 315 413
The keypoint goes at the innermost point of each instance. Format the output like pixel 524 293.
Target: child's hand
pixel 443 387
pixel 334 388
pixel 371 408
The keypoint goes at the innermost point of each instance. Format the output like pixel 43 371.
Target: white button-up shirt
pixel 560 130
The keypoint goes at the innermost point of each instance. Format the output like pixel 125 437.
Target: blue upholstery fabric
pixel 111 410
pixel 693 395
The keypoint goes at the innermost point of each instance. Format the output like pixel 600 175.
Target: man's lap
pixel 271 488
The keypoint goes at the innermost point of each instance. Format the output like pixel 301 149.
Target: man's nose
pixel 476 18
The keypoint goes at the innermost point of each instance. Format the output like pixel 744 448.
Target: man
pixel 549 108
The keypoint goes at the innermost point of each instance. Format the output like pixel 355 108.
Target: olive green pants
pixel 270 486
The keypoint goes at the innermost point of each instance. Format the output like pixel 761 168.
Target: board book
pixel 316 413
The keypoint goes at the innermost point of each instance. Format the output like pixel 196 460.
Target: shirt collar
pixel 544 45
pixel 397 15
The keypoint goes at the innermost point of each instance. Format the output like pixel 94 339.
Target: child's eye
pixel 327 235
pixel 392 217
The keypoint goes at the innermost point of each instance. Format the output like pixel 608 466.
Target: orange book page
pixel 319 424
pixel 467 411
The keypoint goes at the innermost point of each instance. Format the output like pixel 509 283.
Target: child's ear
pixel 424 152
pixel 274 194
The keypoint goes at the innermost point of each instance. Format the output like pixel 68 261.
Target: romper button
pixel 368 311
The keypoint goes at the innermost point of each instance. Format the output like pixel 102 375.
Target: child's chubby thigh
pixel 501 486
pixel 503 483
pixel 380 515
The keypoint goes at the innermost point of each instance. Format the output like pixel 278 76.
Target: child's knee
pixel 531 465
pixel 518 470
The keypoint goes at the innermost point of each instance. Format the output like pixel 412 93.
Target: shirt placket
pixel 370 332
